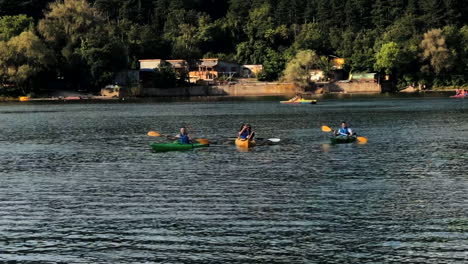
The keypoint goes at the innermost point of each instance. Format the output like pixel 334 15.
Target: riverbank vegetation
pixel 81 44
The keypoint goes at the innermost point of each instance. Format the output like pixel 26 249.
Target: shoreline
pixel 223 98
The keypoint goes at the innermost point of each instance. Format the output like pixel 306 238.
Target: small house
pixel 151 64
pixel 316 75
pixel 208 70
pixel 364 77
pixel 251 71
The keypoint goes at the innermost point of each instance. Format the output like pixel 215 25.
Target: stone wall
pixel 352 87
pixel 246 89
pixel 262 89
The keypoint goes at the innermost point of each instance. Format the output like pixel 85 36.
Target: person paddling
pixel 183 137
pixel 344 130
pixel 296 98
pixel 246 132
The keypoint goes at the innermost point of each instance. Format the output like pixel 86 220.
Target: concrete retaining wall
pixel 251 89
pixel 353 87
pixel 262 89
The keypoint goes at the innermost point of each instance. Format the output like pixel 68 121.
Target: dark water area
pixel 79 184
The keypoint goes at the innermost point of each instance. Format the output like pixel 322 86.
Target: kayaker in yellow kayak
pixel 184 137
pixel 246 132
pixel 298 97
pixel 344 130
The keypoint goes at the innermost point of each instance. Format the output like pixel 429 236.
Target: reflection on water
pixel 79 184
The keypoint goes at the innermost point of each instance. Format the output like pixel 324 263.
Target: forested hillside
pixel 86 42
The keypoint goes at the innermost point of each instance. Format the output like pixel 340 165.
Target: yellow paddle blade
pixel 202 141
pixel 326 129
pixel 362 140
pixel 154 134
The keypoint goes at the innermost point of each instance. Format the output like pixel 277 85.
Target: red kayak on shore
pixel 459 96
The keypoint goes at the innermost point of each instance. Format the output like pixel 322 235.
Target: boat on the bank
pixel 175 146
pixel 299 101
pixel 244 143
pixel 459 96
pixel 72 98
pixel 24 98
pixel 343 139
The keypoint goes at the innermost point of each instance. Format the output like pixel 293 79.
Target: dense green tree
pixel 22 58
pixel 273 65
pixel 11 26
pixel 434 12
pixel 388 58
pixel 435 52
pixel 298 69
pixel 310 37
pixel 85 49
pixel 92 39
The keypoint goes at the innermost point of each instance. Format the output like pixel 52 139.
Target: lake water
pixel 79 184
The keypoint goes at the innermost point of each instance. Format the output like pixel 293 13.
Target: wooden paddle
pixel 204 141
pixel 361 140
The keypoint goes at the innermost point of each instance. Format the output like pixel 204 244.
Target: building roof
pixel 151 60
pixel 209 63
pixel 178 63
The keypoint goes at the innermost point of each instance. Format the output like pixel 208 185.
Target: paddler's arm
pixel 242 131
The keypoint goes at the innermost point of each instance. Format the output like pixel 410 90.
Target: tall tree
pixel 435 51
pixel 11 26
pixel 22 58
pixel 74 30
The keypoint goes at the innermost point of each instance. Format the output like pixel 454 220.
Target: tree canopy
pixel 91 40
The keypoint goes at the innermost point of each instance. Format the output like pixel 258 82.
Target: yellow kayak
pixel 300 101
pixel 243 143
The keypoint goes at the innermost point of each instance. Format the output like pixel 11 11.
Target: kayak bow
pixel 243 143
pixel 300 101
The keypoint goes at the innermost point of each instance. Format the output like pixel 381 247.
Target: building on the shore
pixel 337 63
pixel 179 66
pixel 337 72
pixel 364 77
pixel 151 64
pixel 251 70
pixel 208 70
pixel 317 75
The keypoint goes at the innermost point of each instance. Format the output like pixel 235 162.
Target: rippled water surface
pixel 79 184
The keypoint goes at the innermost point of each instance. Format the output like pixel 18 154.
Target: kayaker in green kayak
pixel 184 137
pixel 344 131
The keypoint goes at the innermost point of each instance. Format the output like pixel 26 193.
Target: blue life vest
pixel 184 139
pixel 245 134
pixel 344 132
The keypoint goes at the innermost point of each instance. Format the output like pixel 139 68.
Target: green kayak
pixel 342 140
pixel 162 147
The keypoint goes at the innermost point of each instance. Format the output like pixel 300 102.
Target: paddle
pixel 361 140
pixel 157 134
pixel 273 140
pixel 326 129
